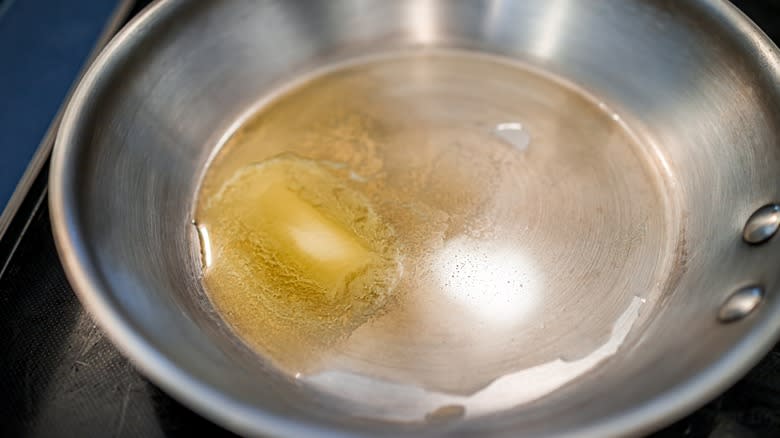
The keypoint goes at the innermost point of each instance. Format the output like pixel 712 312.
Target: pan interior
pixel 525 231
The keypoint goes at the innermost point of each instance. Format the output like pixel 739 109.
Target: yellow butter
pixel 296 253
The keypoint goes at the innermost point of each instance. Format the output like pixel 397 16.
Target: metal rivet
pixel 740 304
pixel 762 225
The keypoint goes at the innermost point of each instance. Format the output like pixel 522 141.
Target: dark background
pixel 59 376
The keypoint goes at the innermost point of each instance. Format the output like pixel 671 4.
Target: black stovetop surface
pixel 59 376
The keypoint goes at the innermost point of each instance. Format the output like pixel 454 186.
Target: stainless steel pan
pixel 654 283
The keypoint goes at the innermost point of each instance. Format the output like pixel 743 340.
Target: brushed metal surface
pixel 695 82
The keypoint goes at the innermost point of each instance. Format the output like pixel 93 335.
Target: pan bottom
pixel 524 232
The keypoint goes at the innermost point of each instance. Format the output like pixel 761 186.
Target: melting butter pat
pixel 325 249
pixel 296 250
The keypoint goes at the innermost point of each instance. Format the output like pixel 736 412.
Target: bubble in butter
pixel 298 258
